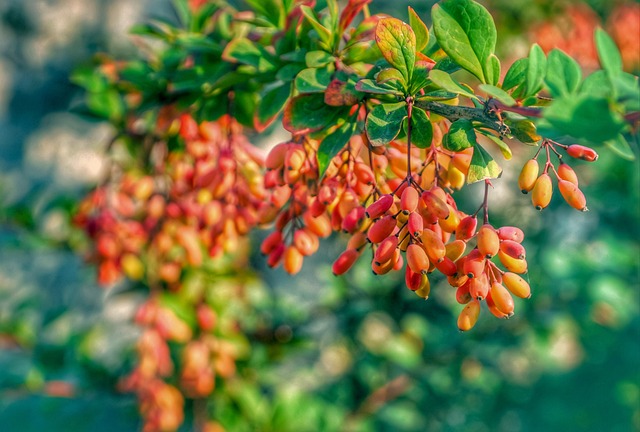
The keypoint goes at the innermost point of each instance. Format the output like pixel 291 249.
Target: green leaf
pixel 504 148
pixel 397 43
pixel 438 95
pixel 389 74
pixel 323 32
pixel 421 128
pixel 313 80
pixel 333 142
pixel 369 86
pixel 420 29
pixel 466 32
pixel 627 91
pixel 308 113
pixel 523 130
pixel 317 59
pixel 492 70
pixel 385 121
pixel 90 79
pixel 107 104
pixel 536 70
pixel 447 65
pixel 516 75
pixel 585 116
pixel 482 166
pixel 597 84
pixel 498 93
pixel 242 50
pixel 461 136
pixel 270 105
pixel 608 52
pixel 245 105
pixel 420 78
pixel 621 147
pixel 446 82
pixel 563 74
pixel 289 72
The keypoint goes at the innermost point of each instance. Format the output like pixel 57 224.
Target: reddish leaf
pixel 338 94
pixel 352 9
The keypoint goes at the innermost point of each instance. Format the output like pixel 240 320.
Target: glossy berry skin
pixel 528 175
pixel 572 195
pixel 488 241
pixel 516 284
pixel 502 298
pixel 582 152
pixel 542 192
pixel 344 262
pixel 417 258
pixel 469 316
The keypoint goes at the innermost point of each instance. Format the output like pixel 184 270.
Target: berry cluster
pixel 540 185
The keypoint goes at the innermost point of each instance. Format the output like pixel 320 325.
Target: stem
pixel 485 201
pixel 453 113
pixel 525 111
pixel 409 113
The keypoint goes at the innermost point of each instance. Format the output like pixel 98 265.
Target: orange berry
pixel 513 264
pixel 415 224
pixel 469 316
pixel 493 309
pixel 474 264
pixel 305 241
pixel 455 249
pixel 447 267
pixel 502 298
pixel 381 229
pixel 488 241
pixel 528 175
pixel 358 240
pixel 424 289
pixel 462 293
pixel 433 245
pixel 409 200
pixel 565 172
pixel 467 228
pixel 271 242
pixel 435 205
pixel 387 266
pixel 479 287
pixel 450 224
pixel 293 260
pixel 518 286
pixel 582 152
pixel 386 250
pixel 275 158
pixel 364 173
pixel 275 256
pixel 417 258
pixel 320 225
pixel 542 191
pixel 511 233
pixel 344 262
pixel 412 279
pixel 572 195
pixel 379 207
pixel 353 220
pixel 513 249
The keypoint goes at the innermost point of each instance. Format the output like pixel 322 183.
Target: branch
pixel 453 113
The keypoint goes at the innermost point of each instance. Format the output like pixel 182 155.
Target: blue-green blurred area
pixel 352 353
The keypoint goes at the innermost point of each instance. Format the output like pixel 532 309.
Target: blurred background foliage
pixel 350 353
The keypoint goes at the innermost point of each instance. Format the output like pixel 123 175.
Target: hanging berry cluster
pixel 382 135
